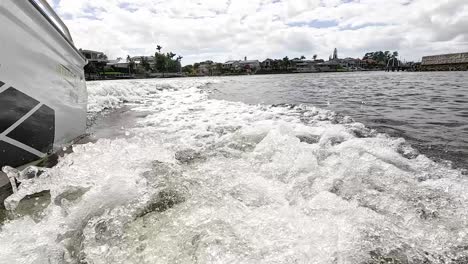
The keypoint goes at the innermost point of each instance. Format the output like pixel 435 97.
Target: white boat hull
pixel 42 87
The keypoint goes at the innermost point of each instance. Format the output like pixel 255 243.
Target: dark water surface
pixel 430 110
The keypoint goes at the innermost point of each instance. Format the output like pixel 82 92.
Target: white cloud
pixel 231 29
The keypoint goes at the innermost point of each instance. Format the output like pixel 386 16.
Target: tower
pixel 335 54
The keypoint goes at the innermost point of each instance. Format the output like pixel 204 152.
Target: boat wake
pixel 197 180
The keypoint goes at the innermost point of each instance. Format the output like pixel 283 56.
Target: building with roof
pixel 94 56
pixel 267 64
pixel 230 64
pixel 205 68
pixel 445 62
pixel 252 65
pixel 239 65
pixel 151 60
pixel 306 66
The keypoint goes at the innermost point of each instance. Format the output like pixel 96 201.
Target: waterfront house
pixel 292 66
pixel 244 65
pixel 118 65
pixel 250 65
pixel 305 66
pixel 229 65
pixel 151 60
pixel 351 63
pixel 208 68
pixel 328 66
pixel 97 62
pixel 94 56
pixel 267 65
pixel 204 69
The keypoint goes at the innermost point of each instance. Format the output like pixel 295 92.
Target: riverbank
pixel 122 76
pixel 181 75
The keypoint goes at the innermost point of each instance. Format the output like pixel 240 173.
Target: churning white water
pixel 197 180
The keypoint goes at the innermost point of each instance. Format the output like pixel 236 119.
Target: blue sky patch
pixel 92 12
pixel 349 27
pixel 315 24
pixel 55 3
pixel 127 6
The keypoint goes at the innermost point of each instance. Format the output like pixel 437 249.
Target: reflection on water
pixel 430 110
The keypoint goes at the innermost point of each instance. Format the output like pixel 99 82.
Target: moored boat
pixel 42 87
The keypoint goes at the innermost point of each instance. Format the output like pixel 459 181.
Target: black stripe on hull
pixel 37 131
pixel 14 105
pixel 34 135
pixel 13 156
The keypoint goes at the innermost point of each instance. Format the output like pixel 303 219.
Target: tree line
pixel 160 63
pixel 275 65
pixel 381 57
pixel 163 62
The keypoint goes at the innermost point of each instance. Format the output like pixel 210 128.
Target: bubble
pixel 210 181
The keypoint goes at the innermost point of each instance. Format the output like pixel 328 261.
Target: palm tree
pixel 131 64
pixel 178 64
pixel 159 48
pixel 387 55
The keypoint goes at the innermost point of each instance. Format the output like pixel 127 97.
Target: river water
pixel 430 109
pixel 209 171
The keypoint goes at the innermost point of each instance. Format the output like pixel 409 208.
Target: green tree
pixel 286 63
pixel 219 68
pixel 145 64
pixel 381 57
pixel 171 55
pixel 90 68
pixel 315 57
pixel 160 62
pixel 179 64
pixel 159 48
pixel 171 65
pixel 131 64
pixel 276 65
pixel 188 69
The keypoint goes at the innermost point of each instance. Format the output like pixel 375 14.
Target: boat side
pixel 42 87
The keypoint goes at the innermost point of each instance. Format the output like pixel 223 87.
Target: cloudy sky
pixel 221 30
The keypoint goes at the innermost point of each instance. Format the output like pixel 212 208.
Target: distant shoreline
pixel 244 74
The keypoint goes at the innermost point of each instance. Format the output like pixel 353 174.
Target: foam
pixel 212 181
